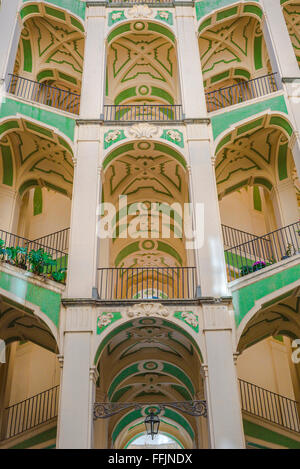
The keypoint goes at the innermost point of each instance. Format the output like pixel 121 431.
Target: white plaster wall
pixel 237 211
pixel 55 216
pixel 266 365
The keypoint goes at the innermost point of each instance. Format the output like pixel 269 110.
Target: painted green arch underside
pixel 225 120
pixel 244 298
pixel 152 27
pixel 137 414
pixel 30 183
pixel 130 147
pixel 180 389
pixel 168 368
pixel 205 7
pixel 132 93
pixel 135 247
pixel 129 324
pixel 75 6
pixel 10 108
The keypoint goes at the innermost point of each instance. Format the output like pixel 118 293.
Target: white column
pixel 10 27
pixel 285 203
pixel 77 388
pixel 192 90
pixel 9 208
pixel 93 81
pixel 281 51
pixel 210 259
pixel 86 197
pixel 222 394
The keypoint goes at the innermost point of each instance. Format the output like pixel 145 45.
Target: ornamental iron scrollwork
pixel 104 410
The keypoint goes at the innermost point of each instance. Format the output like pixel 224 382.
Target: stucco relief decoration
pixel 105 320
pixel 112 136
pixel 190 318
pixel 139 11
pixel 143 131
pixel 174 135
pixel 147 309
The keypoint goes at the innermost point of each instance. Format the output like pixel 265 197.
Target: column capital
pixel 94 375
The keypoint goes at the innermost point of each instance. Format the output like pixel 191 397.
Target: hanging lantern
pixel 152 423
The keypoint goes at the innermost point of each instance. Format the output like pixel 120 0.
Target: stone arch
pixel 130 58
pixel 49 35
pixel 291 12
pixel 35 154
pixel 232 46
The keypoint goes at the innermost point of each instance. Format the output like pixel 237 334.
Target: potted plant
pixel 2 250
pixel 288 251
pixel 245 270
pixel 59 276
pixel 258 266
pixel 17 256
pixel 39 260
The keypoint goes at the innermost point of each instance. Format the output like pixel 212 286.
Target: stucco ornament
pixel 116 16
pixel 174 135
pixel 139 11
pixel 112 136
pixel 147 309
pixel 190 318
pixel 143 131
pixel 105 319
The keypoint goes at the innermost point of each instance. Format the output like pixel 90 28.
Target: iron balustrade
pixel 145 283
pixel 234 237
pixel 263 251
pixel 139 2
pixel 30 413
pixel 58 240
pixel 240 92
pixel 270 406
pixel 143 112
pixel 12 240
pixel 43 94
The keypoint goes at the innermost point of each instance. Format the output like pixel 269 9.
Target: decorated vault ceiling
pixel 51 48
pixel 233 50
pixel 34 156
pixel 257 153
pixel 291 11
pixel 142 68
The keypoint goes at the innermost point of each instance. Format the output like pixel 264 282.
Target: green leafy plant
pixel 16 256
pixel 288 251
pixel 245 270
pixel 60 275
pixel 2 250
pixel 39 260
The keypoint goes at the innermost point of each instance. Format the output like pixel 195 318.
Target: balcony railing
pixel 241 92
pixel 30 413
pixel 139 2
pixel 234 237
pixel 22 260
pixel 145 283
pixel 270 406
pixel 143 112
pixel 43 94
pixel 58 240
pixel 263 251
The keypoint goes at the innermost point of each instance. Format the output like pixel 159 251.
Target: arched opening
pixel 29 370
pixel 268 364
pixel 161 442
pixel 146 254
pixel 235 62
pixel 149 360
pixel 49 61
pixel 258 192
pixel 142 73
pixel 291 12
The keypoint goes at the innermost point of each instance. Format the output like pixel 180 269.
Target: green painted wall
pixel 75 6
pixel 244 298
pixel 10 108
pixel 37 439
pixel 262 433
pixel 207 6
pixel 222 122
pixel 48 301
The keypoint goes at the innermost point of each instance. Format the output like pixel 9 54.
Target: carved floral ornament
pixel 190 318
pixel 147 309
pixel 139 11
pixel 143 131
pixel 105 319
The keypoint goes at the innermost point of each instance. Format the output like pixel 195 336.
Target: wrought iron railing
pixel 30 413
pixel 144 283
pixel 243 91
pixel 22 259
pixel 139 2
pixel 143 112
pixel 43 94
pixel 270 406
pixel 58 240
pixel 263 251
pixel 234 237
